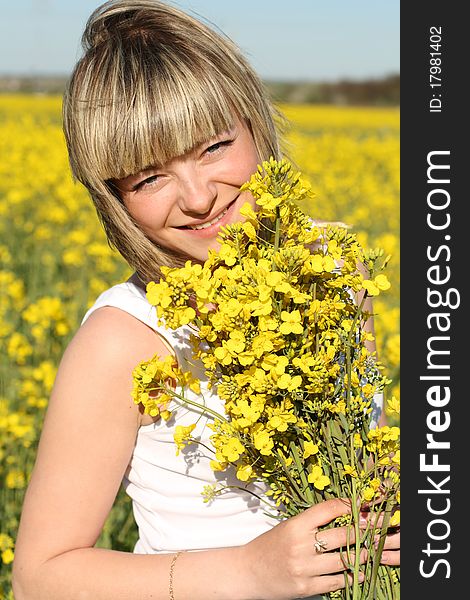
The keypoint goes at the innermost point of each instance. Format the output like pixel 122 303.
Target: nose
pixel 197 192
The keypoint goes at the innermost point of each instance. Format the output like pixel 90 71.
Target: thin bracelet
pixel 172 568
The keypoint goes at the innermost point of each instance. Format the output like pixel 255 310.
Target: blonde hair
pixel 153 83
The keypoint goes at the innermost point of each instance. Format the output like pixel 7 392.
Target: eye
pixel 148 182
pixel 218 146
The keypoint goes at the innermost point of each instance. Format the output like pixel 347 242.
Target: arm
pixel 85 447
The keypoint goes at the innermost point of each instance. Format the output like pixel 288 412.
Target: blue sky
pixel 283 39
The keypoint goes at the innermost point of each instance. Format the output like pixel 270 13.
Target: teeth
pixel 209 223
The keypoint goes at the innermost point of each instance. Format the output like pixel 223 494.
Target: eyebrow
pixel 114 181
pixel 230 131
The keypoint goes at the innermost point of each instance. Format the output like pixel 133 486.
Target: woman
pixel 164 120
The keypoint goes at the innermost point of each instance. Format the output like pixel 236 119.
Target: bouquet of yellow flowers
pixel 279 321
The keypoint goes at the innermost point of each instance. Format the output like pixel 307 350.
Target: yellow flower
pixel 248 412
pixel 358 443
pixel 159 294
pixel 247 211
pixel 396 457
pixel 236 342
pixel 228 254
pixel 287 382
pixel 349 470
pixel 6 542
pixel 319 480
pixel 320 264
pixel 310 449
pixel 263 442
pixel 182 436
pixel 393 406
pixel 375 483
pixel 230 348
pixel 244 472
pixel 281 419
pixel 15 480
pixel 334 249
pixel 375 286
pixel 218 466
pixel 260 308
pixel 382 282
pixel 249 230
pixel 274 279
pixel 368 493
pixel 274 363
pixel 232 449
pixel 291 322
pixel 223 354
pixel 268 201
pixel 7 556
pixel 185 316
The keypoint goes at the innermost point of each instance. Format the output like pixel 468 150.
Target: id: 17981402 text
pixel 435 69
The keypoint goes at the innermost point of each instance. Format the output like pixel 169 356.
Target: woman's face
pixel 182 204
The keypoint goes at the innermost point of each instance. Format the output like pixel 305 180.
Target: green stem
pixel 292 481
pixel 336 452
pixel 244 489
pixel 378 553
pixel 202 407
pixel 357 591
pixel 352 332
pixel 326 436
pixel 277 233
pixel 295 455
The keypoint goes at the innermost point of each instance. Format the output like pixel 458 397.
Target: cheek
pixel 138 213
pixel 146 215
pixel 248 163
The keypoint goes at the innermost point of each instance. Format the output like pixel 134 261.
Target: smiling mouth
pixel 212 222
pixel 209 223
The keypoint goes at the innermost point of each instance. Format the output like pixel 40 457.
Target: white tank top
pixel 168 506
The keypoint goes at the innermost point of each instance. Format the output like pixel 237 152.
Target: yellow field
pixel 54 260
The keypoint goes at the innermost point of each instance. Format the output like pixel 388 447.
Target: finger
pixel 334 538
pixel 390 557
pixel 336 562
pixel 348 558
pixel 344 536
pixel 368 520
pixel 331 583
pixel 392 541
pixel 373 519
pixel 327 511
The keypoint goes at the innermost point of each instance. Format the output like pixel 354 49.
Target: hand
pixel 391 552
pixel 291 561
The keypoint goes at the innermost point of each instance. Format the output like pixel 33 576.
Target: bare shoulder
pixel 113 337
pixel 97 365
pixel 112 324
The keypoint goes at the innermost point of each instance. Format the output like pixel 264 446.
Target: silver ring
pixel 319 545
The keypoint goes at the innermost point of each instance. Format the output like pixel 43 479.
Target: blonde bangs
pixel 147 118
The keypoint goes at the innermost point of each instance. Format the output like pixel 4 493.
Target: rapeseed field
pixel 54 261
